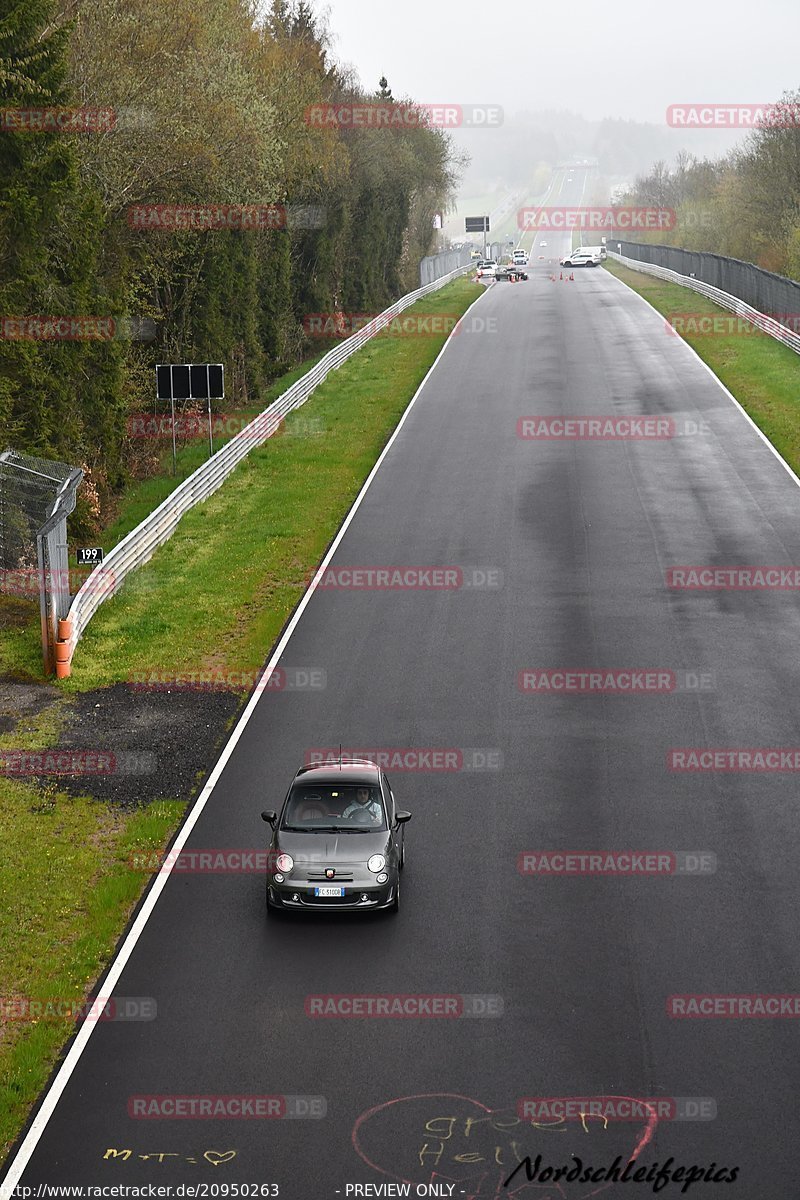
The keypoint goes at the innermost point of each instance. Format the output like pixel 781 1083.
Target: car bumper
pixel 301 898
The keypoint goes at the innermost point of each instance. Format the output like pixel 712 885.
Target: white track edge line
pixel 713 375
pixel 119 962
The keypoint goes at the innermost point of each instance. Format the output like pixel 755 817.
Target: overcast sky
pixel 629 58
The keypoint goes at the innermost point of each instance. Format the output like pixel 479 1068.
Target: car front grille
pixel 321 877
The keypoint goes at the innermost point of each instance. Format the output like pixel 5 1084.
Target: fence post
pixel 48 649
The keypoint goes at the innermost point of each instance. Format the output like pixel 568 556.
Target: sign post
pixel 477 225
pixel 190 381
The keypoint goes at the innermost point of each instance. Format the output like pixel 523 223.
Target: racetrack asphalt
pixel 568 542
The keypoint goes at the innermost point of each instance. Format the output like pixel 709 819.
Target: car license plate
pixel 329 891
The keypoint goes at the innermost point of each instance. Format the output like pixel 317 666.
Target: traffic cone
pixel 572 276
pixel 561 276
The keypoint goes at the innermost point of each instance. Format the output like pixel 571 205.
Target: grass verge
pixel 762 374
pixel 67 890
pixel 214 597
pixel 217 594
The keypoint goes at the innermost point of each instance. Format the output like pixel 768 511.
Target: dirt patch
pixel 151 745
pixel 159 744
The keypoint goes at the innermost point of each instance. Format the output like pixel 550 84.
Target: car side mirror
pixel 269 817
pixel 401 817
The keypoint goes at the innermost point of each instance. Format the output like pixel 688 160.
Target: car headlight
pixel 376 863
pixel 284 863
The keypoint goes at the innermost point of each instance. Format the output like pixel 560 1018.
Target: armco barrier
pixel 762 321
pixel 139 545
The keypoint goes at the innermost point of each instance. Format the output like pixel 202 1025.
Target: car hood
pixel 332 847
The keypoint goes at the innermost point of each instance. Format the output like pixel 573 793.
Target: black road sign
pixel 190 381
pixel 476 224
pixel 89 556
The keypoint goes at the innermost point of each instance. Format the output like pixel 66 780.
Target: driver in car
pixel 364 803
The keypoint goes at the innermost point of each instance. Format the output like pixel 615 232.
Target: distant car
pixel 582 257
pixel 511 271
pixel 486 267
pixel 520 257
pixel 475 254
pixel 542 243
pixel 339 844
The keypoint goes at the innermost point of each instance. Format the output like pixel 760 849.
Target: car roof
pixel 352 771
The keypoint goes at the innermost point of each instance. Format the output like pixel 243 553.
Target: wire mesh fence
pixel 36 497
pixel 773 295
pixel 28 489
pixel 436 265
pixel 754 317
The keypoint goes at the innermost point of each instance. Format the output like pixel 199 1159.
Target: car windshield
pixel 338 807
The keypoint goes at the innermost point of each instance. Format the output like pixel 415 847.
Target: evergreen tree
pixel 54 395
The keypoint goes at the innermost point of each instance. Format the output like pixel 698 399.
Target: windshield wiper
pixel 320 829
pixel 329 829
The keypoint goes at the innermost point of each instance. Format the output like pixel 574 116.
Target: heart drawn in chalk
pixel 215 1157
pixel 443 1136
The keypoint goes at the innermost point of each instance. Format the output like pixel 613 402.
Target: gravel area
pixel 148 745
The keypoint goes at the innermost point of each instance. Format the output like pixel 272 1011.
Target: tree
pixel 53 394
pixel 212 101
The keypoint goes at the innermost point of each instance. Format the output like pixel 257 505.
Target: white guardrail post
pixel 762 321
pixel 140 544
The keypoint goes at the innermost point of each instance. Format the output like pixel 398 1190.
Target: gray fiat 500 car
pixel 338 845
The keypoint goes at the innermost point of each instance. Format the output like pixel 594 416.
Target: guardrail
pixel 762 321
pixel 140 544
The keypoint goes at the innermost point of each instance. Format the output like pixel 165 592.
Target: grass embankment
pixel 214 597
pixel 762 374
